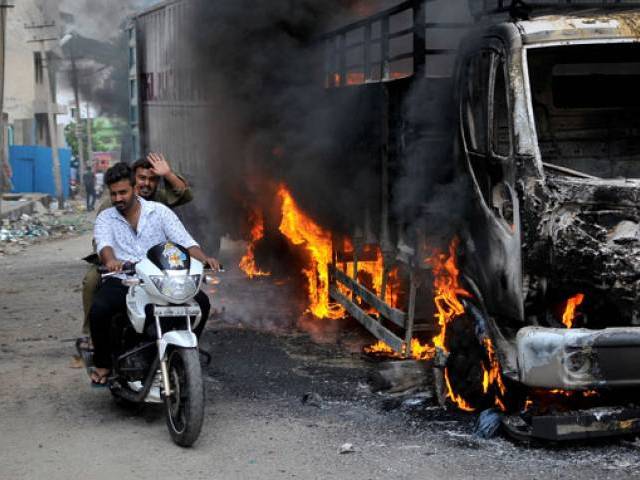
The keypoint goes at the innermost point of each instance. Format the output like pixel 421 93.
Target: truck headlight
pixel 179 287
pixel 578 362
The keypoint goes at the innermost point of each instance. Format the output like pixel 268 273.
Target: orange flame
pixel 446 289
pixel 248 261
pixel 374 269
pixel 541 397
pixel 448 306
pixel 418 350
pixel 381 347
pixel 569 315
pixel 573 393
pixel 302 231
pixel 493 375
pixel 358 78
pixel 392 293
pixel 455 398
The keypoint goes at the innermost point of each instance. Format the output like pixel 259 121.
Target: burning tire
pixel 473 377
pixel 465 369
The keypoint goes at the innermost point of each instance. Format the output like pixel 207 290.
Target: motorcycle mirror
pixel 131 282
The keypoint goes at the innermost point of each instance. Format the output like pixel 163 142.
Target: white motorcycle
pixel 157 358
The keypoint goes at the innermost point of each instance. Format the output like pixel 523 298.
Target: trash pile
pixel 27 229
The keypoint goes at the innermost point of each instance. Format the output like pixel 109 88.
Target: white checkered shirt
pixel 157 224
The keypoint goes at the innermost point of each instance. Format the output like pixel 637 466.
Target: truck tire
pixel 184 407
pixel 465 363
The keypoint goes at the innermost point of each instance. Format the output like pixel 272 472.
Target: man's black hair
pixel 141 163
pixel 120 171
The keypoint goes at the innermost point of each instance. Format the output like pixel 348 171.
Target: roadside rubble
pixel 346 448
pixel 41 225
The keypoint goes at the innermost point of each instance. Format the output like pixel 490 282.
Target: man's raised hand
pixel 159 164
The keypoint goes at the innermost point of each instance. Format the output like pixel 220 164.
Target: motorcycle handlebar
pixel 211 270
pixel 128 268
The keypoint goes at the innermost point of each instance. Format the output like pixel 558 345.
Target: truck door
pixel 487 129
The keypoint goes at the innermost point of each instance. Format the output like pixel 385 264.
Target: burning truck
pixel 521 285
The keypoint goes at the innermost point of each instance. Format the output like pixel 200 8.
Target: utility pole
pixel 51 116
pixel 4 154
pixel 78 116
pixel 89 134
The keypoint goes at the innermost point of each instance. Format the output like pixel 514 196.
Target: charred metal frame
pixel 336 75
pixel 401 319
pixel 521 9
pixel 337 48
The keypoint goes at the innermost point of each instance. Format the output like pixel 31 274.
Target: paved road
pixel 54 426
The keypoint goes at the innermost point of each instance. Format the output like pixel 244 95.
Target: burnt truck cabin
pixel 543 131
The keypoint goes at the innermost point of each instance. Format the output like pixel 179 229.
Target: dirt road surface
pixel 53 425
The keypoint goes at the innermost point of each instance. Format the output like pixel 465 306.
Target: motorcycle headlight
pixel 179 287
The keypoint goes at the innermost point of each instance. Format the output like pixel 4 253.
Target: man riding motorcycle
pixel 174 193
pixel 124 233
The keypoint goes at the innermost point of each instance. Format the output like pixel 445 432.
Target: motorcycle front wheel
pixel 185 405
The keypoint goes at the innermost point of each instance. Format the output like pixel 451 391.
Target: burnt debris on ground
pixel 43 223
pixel 326 384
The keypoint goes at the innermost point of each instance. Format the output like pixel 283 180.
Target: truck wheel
pixel 464 370
pixel 468 360
pixel 185 405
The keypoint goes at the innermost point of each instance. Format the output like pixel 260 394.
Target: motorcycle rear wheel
pixel 184 407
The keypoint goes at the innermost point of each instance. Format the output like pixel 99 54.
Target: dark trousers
pixel 110 300
pixel 91 198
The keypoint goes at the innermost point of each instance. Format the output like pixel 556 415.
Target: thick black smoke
pixel 98 44
pixel 261 65
pixel 101 72
pixel 429 192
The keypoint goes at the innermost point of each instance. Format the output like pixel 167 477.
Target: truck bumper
pixel 578 359
pixel 575 425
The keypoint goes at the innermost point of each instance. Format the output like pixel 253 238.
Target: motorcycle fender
pixel 181 339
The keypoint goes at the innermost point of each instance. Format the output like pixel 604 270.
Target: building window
pixel 37 58
pixel 132 57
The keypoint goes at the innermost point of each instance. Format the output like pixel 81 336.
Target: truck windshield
pixel 586 104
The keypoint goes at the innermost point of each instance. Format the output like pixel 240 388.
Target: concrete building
pixel 26 95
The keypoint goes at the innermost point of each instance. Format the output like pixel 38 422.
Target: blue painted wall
pixel 33 172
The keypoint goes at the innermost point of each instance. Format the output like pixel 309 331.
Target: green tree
pixel 106 135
